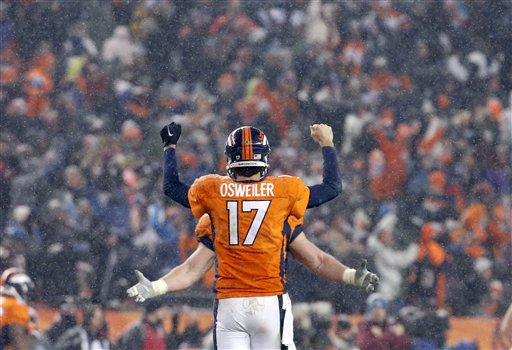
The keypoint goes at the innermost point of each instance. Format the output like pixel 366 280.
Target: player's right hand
pixel 144 289
pixel 170 134
pixel 322 134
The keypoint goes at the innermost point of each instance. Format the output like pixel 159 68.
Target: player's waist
pixel 247 294
pixel 238 289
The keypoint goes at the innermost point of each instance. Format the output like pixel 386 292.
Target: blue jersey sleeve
pixel 331 186
pixel 173 187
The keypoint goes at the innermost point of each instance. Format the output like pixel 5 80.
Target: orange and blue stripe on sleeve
pixel 292 229
pixel 295 233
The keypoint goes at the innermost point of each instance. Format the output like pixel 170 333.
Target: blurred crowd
pixel 418 94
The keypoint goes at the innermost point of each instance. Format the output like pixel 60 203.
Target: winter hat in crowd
pixel 20 213
pixel 374 301
pixel 387 222
pixel 481 264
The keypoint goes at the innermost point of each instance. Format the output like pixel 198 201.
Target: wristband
pixel 160 287
pixel 349 276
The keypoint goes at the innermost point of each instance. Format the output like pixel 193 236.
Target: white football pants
pixel 264 323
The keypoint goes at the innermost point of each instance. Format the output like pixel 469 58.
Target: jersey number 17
pixel 248 206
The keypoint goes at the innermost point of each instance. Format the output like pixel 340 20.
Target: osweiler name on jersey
pixel 261 189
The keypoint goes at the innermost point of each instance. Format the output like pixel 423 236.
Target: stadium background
pixel 418 95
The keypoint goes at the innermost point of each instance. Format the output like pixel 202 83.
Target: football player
pixel 255 220
pixel 15 315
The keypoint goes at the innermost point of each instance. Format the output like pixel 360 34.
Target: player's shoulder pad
pixel 214 177
pixel 210 177
pixel 289 178
pixel 291 183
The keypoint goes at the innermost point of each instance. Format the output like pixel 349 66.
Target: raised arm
pixel 329 189
pixel 172 185
pixel 331 186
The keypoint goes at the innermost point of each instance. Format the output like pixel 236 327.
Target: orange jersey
pixel 250 228
pixel 12 311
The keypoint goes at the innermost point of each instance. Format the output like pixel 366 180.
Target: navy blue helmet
pixel 247 147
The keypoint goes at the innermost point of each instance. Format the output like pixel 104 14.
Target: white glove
pixel 361 277
pixel 366 279
pixel 146 289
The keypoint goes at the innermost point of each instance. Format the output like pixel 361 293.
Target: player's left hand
pixel 366 279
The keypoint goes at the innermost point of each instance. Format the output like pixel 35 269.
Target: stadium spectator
pixel 388 163
pixel 379 330
pixel 148 333
pixel 390 261
pixel 66 319
pixel 427 276
pixel 91 333
pixel 343 335
pixel 120 49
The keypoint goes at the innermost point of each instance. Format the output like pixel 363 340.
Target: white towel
pixel 287 337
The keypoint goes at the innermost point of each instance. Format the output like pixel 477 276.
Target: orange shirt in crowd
pixel 387 182
pixel 277 109
pixel 38 85
pixel 433 252
pixel 471 233
pixel 499 229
